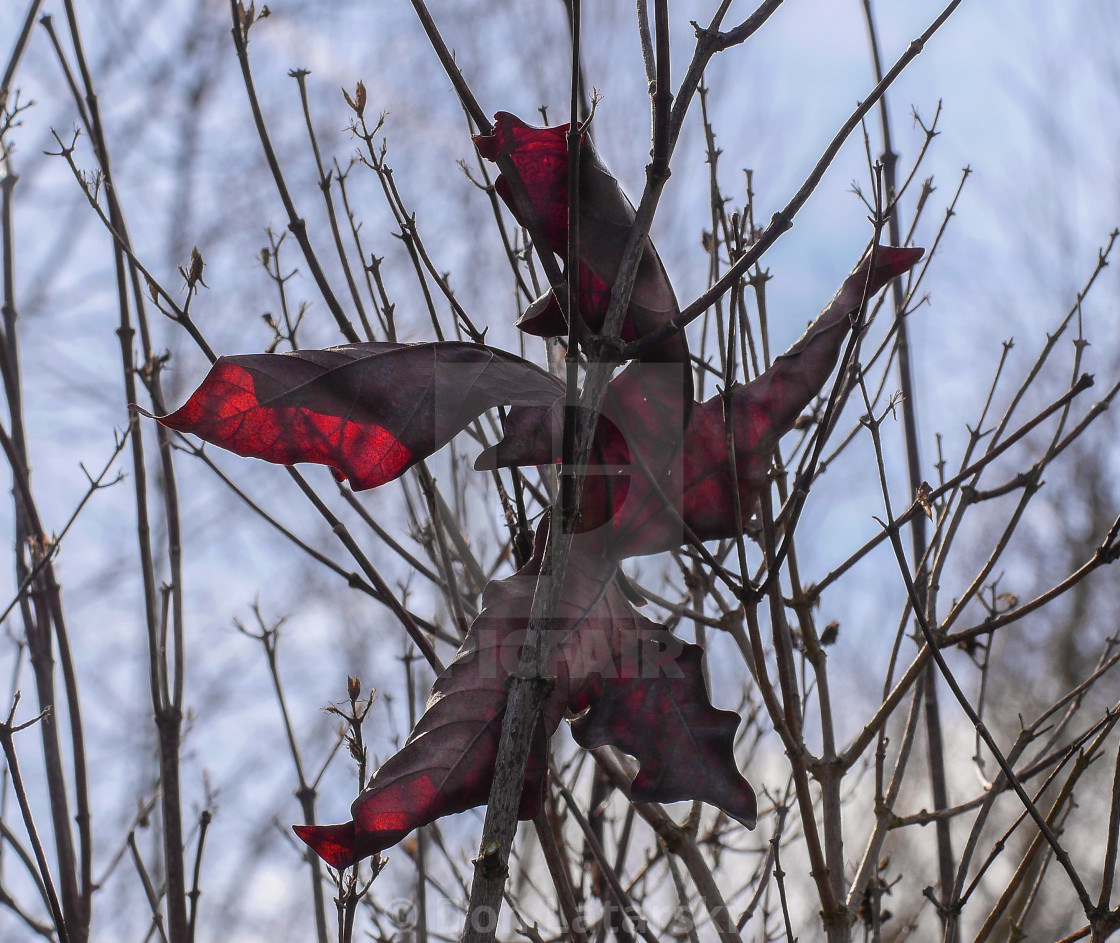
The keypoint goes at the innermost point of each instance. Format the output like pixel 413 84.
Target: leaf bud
pixel 192 273
pixel 358 102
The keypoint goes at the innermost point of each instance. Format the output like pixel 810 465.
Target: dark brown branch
pixel 204 820
pixel 43 616
pixel 530 683
pixel 783 220
pixel 1109 869
pixel 7 730
pixel 296 224
pixel 16 55
pixel 891 526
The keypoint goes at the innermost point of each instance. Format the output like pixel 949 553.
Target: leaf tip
pixel 892 261
pixel 337 845
pixel 490 145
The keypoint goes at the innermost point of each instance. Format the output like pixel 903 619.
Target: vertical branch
pixel 683 910
pixel 421 833
pixel 169 713
pixel 568 511
pixel 662 94
pixel 7 730
pixel 305 793
pixel 918 540
pixel 42 607
pixel 204 820
pixel 166 686
pixel 584 101
pixel 865 881
pixel 530 682
pixel 1109 869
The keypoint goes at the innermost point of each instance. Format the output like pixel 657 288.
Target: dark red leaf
pixel 672 477
pixel 766 408
pixel 447 763
pixel 606 659
pixel 643 691
pixel 658 712
pixel 540 156
pixel 369 411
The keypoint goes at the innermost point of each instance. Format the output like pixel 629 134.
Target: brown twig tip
pixel 358 102
pixel 191 272
pixel 9 726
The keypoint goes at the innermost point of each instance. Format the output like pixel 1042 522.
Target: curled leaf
pixel 540 156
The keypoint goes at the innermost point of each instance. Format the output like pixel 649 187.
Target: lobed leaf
pixel 641 689
pixel 666 466
pixel 636 685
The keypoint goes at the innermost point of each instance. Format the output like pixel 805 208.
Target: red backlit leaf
pixel 766 408
pixel 369 411
pixel 338 845
pixel 642 432
pixel 605 217
pixel 625 674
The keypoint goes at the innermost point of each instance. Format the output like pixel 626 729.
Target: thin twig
pixel 7 731
pixel 891 526
pixel 783 220
pixel 306 793
pixel 296 224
